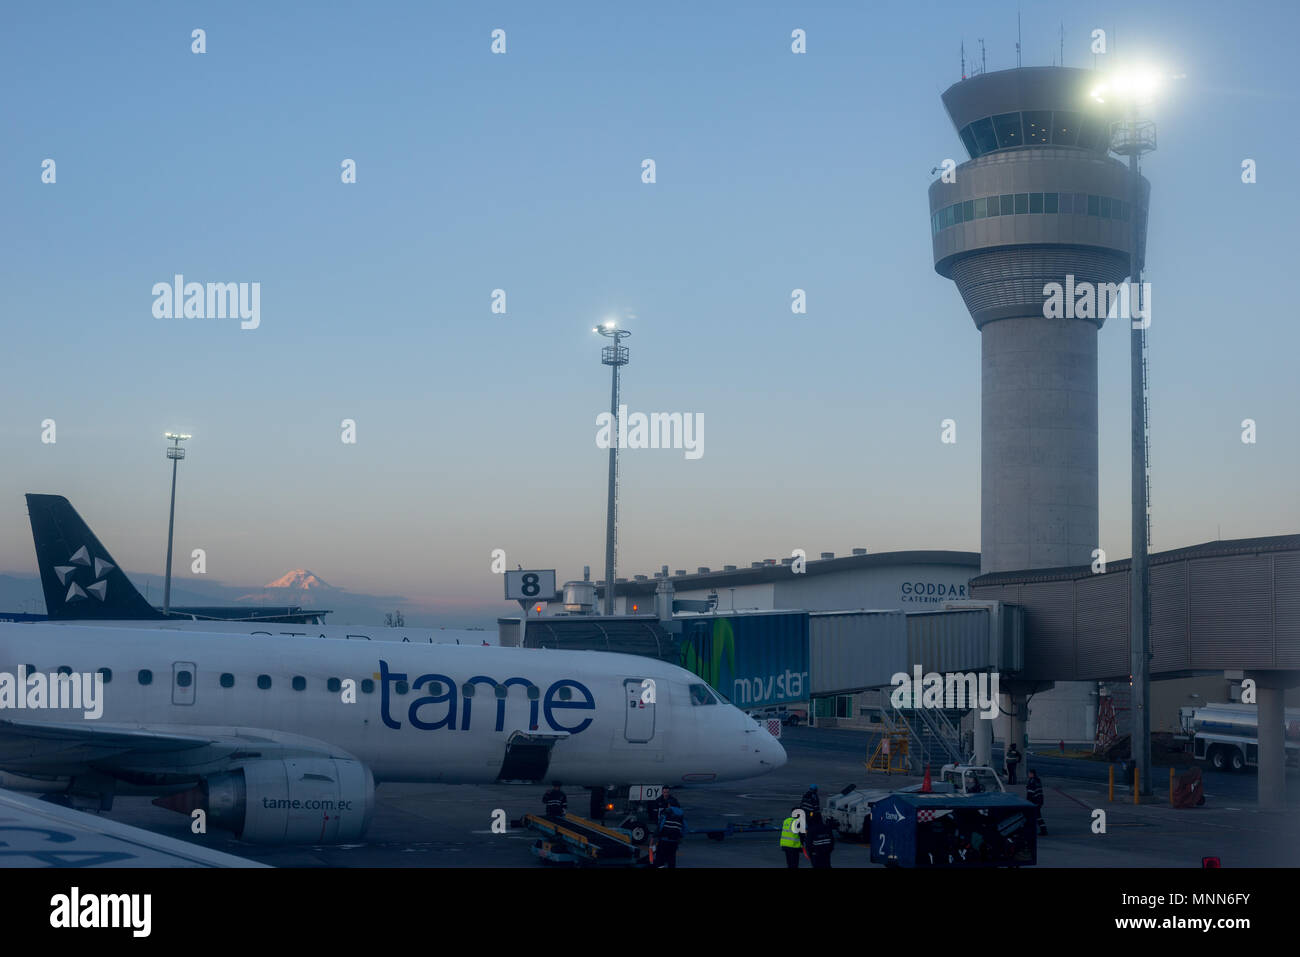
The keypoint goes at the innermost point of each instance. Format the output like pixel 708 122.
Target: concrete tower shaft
pixel 1040 201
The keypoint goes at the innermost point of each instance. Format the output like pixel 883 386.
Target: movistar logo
pixel 68 574
pixel 704 652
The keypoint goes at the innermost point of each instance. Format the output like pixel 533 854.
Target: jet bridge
pixel 854 651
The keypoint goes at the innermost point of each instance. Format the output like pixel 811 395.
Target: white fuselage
pixel 412 719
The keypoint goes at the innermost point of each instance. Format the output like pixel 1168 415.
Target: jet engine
pixel 292 801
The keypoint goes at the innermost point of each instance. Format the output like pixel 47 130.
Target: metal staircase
pixel 934 735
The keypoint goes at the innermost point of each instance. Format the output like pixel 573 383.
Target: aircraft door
pixel 639 726
pixel 184 675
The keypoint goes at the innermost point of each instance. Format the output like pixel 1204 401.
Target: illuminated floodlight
pixel 1136 85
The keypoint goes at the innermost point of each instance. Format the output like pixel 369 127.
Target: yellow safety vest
pixel 788 837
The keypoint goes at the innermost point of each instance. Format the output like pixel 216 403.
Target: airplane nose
pixel 770 753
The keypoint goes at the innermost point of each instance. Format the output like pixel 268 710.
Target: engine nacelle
pixel 294 801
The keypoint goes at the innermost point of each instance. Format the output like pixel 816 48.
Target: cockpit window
pixel 701 694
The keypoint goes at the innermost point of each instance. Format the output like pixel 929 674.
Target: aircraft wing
pixel 44 747
pixel 35 833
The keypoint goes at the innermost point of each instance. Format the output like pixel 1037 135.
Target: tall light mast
pixel 615 356
pixel 175 453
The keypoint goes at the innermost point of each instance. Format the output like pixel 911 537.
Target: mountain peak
pixel 299 579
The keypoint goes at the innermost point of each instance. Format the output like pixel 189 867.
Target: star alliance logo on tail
pixel 81 559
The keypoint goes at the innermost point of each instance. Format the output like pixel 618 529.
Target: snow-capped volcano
pixel 300 579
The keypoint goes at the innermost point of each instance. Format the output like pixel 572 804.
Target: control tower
pixel 1039 200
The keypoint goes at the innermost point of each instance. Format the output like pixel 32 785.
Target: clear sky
pixel 522 172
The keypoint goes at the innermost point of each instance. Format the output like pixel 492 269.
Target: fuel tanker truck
pixel 1225 736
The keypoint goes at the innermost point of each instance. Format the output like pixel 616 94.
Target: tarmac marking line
pixel 1072 798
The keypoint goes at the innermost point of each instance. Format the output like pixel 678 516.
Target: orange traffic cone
pixel 925 785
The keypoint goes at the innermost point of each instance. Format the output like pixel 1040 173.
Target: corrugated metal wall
pixel 1169 648
pixel 1012 657
pixel 1101 644
pixel 1231 611
pixel 1286 609
pixel 1049 618
pixel 1236 611
pixel 856 650
pixel 948 641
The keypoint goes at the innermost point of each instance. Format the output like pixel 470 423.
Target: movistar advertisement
pixel 755 660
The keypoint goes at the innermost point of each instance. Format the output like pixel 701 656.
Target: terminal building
pixel 831 638
pixel 910 580
pixel 1210 603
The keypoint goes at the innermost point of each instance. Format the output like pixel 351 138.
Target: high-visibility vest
pixel 788 837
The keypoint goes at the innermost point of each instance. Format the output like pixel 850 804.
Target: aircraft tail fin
pixel 80 579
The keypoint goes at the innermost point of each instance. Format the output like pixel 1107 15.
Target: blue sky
pixel 522 172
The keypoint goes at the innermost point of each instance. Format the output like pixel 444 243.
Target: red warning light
pixel 538 609
pixel 634 607
pixel 1210 862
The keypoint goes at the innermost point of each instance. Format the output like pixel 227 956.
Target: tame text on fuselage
pixel 438 710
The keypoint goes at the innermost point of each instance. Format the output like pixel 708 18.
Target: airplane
pixel 283 740
pixel 81 581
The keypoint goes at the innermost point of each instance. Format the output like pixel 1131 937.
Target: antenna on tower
pixel 983 60
pixel 1062 43
pixel 1017 37
pixel 963 59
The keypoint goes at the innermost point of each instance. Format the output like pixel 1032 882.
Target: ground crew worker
pixel 664 801
pixel 1012 761
pixel 819 840
pixel 812 802
pixel 790 842
pixel 672 825
pixel 556 803
pixel 1034 794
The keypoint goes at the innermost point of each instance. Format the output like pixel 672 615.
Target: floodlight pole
pixel 1138 141
pixel 615 356
pixel 175 453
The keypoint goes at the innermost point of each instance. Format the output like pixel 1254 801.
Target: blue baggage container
pixel 954 830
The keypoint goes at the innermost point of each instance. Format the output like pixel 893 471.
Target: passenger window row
pixel 1012 204
pixel 185 678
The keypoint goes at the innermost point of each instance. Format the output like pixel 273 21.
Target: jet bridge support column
pixel 983 740
pixel 1014 702
pixel 1272 756
pixel 1269 690
pixel 1019 710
